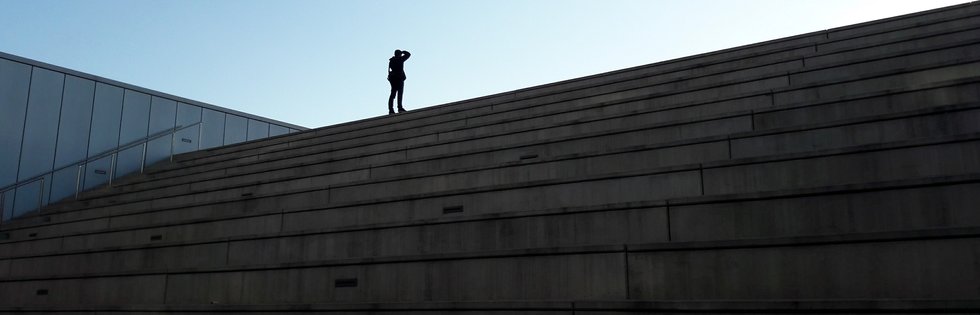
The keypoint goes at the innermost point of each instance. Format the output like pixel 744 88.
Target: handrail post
pixel 40 195
pixel 200 133
pixel 78 180
pixel 143 159
pixel 173 144
pixel 112 167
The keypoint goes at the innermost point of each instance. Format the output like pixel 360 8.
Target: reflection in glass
pixel 64 183
pixel 158 150
pixel 97 172
pixel 15 79
pixel 41 126
pixel 52 121
pixel 275 130
pixel 129 161
pixel 135 117
pixel 257 129
pixel 105 119
pixel 76 115
pixel 186 140
pixel 235 129
pixel 163 113
pixel 212 129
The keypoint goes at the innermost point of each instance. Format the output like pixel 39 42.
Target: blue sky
pixel 316 63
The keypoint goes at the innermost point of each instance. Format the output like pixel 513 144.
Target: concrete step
pixel 762 119
pixel 615 121
pixel 855 165
pixel 886 265
pixel 323 156
pixel 419 139
pixel 638 186
pixel 851 183
pixel 478 178
pixel 544 307
pixel 666 153
pixel 941 202
pixel 867 34
pixel 414 135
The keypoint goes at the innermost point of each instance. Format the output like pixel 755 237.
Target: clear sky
pixel 321 62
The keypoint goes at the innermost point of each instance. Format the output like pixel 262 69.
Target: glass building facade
pixel 62 132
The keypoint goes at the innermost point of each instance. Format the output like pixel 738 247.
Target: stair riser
pixel 819 171
pixel 855 212
pixel 866 107
pixel 855 87
pixel 929 126
pixel 603 228
pixel 501 278
pixel 933 160
pixel 796 64
pixel 761 121
pixel 781 98
pixel 707 62
pixel 923 269
pixel 877 270
pixel 934 126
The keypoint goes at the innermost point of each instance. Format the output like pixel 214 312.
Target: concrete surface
pixel 831 172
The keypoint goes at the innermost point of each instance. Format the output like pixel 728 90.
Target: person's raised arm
pixel 406 54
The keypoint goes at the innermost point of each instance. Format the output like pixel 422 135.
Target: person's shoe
pixel 391 112
pixel 401 110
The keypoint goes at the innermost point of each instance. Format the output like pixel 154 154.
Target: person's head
pixel 398 52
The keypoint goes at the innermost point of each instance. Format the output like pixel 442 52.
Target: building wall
pixel 60 130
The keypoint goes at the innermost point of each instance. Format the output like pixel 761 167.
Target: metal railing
pixel 113 153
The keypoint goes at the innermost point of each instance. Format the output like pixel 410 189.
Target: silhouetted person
pixel 396 77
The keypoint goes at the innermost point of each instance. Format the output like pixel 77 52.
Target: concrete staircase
pixel 831 172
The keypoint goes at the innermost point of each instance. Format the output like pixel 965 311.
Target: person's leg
pixel 401 92
pixel 391 98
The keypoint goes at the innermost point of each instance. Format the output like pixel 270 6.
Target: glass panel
pixel 291 130
pixel 41 127
pixel 30 197
pixel 129 161
pixel 64 183
pixel 76 115
pixel 213 129
pixel 187 115
pixel 96 173
pixel 105 119
pixel 15 80
pixel 257 129
pixel 163 113
pixel 275 130
pixel 135 117
pixel 158 150
pixel 235 129
pixel 186 140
